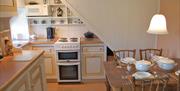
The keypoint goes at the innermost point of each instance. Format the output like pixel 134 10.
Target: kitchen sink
pixel 23 57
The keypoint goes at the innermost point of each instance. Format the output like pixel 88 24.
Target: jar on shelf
pixel 59 12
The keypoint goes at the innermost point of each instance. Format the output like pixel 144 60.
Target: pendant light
pixel 158 23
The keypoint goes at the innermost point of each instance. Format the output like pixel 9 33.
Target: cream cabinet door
pixel 36 78
pixel 49 65
pixel 8 8
pixel 49 60
pixel 92 65
pixel 20 84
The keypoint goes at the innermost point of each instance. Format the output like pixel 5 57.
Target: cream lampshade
pixel 158 25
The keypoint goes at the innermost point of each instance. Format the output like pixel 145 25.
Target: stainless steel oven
pixel 69 72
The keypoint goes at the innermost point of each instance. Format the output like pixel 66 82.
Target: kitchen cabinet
pixel 92 58
pixel 33 79
pixel 36 79
pixel 8 8
pixel 49 59
pixel 21 84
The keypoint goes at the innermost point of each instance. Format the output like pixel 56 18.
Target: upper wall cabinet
pixel 8 8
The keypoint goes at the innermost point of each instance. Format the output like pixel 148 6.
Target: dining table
pixel 118 77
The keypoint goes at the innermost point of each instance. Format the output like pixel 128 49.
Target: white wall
pixel 171 42
pixel 119 23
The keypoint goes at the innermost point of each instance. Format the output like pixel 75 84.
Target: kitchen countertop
pixel 91 40
pixel 83 40
pixel 12 66
pixel 22 43
pixel 43 41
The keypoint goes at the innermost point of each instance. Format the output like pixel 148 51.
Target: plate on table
pixel 177 72
pixel 142 75
pixel 129 60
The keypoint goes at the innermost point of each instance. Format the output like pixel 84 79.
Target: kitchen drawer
pixel 48 50
pixel 93 49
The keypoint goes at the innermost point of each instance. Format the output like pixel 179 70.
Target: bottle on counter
pixel 8 48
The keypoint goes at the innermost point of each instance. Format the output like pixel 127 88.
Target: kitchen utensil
pixel 50 32
pixel 33 36
pixel 33 3
pixel 89 34
pixel 129 67
pixel 142 65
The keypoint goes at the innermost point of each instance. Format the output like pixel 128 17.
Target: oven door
pixel 68 55
pixel 69 72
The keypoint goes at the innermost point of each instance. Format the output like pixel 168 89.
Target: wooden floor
pixel 90 86
pixel 84 86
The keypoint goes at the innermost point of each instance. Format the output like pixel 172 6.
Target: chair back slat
pixel 147 53
pixel 118 54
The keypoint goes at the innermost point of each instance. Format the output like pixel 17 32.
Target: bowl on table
pixel 166 64
pixel 128 60
pixel 157 58
pixel 142 65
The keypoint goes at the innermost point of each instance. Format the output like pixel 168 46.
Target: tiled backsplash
pixel 61 31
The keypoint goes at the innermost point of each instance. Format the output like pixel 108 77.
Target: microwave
pixel 37 10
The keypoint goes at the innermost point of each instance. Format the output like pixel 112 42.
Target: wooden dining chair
pixel 118 54
pixel 178 83
pixel 152 84
pixel 146 54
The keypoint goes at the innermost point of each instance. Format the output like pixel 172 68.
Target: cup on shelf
pixel 35 22
pixel 43 22
pixel 53 21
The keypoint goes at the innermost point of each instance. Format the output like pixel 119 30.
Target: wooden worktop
pixel 91 40
pixel 43 41
pixel 11 67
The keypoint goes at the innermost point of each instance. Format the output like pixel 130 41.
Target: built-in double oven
pixel 68 65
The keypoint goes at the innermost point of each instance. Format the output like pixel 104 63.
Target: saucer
pixel 142 75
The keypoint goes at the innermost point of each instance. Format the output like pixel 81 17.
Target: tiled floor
pixel 85 86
